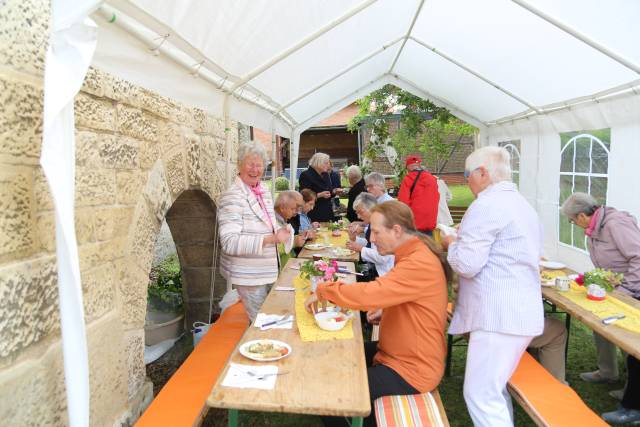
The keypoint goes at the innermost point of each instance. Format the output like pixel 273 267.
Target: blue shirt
pixel 305 222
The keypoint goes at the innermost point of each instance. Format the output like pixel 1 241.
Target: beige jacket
pixel 242 227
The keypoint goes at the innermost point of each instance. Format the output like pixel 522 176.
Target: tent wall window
pixel 584 165
pixel 513 147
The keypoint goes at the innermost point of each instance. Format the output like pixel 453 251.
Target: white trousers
pixel 491 359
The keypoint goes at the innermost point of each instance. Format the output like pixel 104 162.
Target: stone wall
pixel 137 152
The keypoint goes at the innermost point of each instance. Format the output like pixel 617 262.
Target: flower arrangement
pixel 606 279
pixel 324 268
pixel 333 226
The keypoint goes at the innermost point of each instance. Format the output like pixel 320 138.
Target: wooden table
pixel 323 377
pixel 626 340
pixel 336 242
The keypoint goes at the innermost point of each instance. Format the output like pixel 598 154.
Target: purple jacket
pixel 615 245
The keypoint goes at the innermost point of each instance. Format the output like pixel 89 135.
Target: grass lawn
pixel 582 358
pixel 462 196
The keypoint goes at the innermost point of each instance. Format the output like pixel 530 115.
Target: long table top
pixel 626 340
pixel 335 242
pixel 323 377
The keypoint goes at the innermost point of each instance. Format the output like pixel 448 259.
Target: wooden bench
pixel 547 401
pixel 181 402
pixel 416 410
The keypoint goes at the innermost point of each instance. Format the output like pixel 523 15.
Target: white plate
pixel 552 265
pixel 244 350
pixel 316 246
pixel 340 252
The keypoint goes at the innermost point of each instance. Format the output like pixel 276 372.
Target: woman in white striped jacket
pixel 248 231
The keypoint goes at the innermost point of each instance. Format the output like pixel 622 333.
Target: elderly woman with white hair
pixel 613 239
pixel 316 178
pixel 249 232
pixel 356 181
pixel 496 254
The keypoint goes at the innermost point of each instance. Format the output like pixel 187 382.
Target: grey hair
pixel 247 149
pixel 578 203
pixel 318 160
pixel 365 200
pixel 354 172
pixel 376 178
pixel 496 160
pixel 286 197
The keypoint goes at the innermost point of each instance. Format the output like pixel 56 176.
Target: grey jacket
pixel 615 245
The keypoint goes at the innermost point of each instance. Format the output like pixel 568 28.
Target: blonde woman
pixel 316 179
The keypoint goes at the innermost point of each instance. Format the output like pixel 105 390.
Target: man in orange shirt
pixel 410 302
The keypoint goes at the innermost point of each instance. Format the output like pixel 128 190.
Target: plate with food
pixel 265 350
pixel 547 279
pixel 316 246
pixel 552 265
pixel 341 252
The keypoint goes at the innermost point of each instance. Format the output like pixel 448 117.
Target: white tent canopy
pixel 523 70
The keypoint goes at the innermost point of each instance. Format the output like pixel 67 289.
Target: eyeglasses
pixel 468 173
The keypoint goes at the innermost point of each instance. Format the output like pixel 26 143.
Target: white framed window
pixel 513 147
pixel 584 167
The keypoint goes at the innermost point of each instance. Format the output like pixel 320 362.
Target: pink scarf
pixel 258 192
pixel 592 223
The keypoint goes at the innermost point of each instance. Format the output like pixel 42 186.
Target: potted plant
pixel 598 282
pixel 323 270
pixel 165 315
pixel 334 227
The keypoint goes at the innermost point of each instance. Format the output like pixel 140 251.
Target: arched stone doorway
pixel 192 221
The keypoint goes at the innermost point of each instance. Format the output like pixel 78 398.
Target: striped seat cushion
pixel 416 410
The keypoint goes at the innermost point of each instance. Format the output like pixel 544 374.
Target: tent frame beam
pixel 475 73
pixel 302 43
pixel 341 73
pixel 406 36
pixel 108 12
pixel 564 105
pixel 578 35
pixel 453 109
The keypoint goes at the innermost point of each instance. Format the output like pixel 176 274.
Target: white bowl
pixel 326 320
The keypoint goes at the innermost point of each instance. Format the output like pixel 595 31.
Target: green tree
pixel 423 127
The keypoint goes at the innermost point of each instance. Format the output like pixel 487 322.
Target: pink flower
pixel 328 273
pixel 320 265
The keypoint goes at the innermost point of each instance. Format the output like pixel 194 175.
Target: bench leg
pixel 233 418
pixel 356 422
pixel 447 368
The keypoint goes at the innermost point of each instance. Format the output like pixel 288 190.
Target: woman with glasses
pixel 495 254
pixel 613 240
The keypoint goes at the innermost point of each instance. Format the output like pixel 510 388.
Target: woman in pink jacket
pixel 613 239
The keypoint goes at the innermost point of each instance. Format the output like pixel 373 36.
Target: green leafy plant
pixel 282 183
pixel 324 268
pixel 423 128
pixel 334 226
pixel 606 279
pixel 165 287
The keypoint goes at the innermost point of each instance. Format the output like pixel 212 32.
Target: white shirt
pixel 444 216
pixel 384 198
pixel 383 263
pixel 496 257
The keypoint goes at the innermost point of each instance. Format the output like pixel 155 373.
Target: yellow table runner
pixel 309 330
pixel 609 307
pixel 335 241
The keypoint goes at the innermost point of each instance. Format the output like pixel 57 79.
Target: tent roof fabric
pixel 289 64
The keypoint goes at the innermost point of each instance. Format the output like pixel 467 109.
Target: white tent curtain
pixel 71 45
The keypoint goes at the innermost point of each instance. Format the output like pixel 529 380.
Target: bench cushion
pixel 416 410
pixel 547 400
pixel 182 400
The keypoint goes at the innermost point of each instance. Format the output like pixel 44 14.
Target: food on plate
pixel 267 350
pixel 342 252
pixel 546 277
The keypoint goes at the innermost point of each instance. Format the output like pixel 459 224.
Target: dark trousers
pixel 631 398
pixel 383 381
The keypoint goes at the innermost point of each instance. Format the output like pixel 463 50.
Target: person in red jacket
pixel 419 190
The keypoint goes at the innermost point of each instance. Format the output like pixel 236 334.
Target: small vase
pixel 315 280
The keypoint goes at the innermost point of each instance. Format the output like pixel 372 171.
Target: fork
pixel 261 377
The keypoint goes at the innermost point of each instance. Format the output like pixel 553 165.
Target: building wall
pixel 339 144
pixel 136 153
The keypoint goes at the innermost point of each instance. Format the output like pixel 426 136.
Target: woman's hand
pixel 282 235
pixel 315 224
pixel 311 234
pixel 311 304
pixel 445 241
pixel 354 246
pixel 374 316
pixel 299 240
pixel 356 227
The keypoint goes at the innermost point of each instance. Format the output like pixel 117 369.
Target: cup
pixel 562 283
pixel 326 238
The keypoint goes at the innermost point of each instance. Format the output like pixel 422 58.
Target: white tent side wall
pixel 540 162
